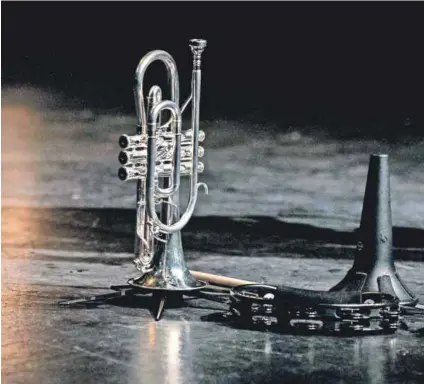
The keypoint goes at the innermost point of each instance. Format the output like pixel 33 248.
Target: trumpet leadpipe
pixel 197 46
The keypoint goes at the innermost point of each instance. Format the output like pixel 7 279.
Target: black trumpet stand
pixel 374 265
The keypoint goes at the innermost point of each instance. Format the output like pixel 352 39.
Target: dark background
pixel 334 64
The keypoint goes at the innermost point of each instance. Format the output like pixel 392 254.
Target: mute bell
pixel 374 266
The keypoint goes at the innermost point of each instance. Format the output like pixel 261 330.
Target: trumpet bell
pixel 171 273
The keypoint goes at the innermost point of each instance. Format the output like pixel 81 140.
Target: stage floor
pixel 292 201
pixel 49 255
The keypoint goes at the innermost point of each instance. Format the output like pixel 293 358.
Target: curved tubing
pixel 151 155
pixel 176 125
pixel 171 66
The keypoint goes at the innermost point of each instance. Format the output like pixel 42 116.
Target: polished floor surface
pixel 291 202
pixel 59 254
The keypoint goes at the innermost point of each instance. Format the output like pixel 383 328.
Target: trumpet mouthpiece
pixel 198 44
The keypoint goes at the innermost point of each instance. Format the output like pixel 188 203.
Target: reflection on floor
pixel 61 254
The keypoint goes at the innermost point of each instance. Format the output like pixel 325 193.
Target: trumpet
pixel 157 156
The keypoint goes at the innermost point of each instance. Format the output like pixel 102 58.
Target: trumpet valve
pixel 187 153
pixel 123 157
pixel 200 151
pixel 127 141
pixel 188 135
pixel 200 167
pixel 136 155
pixel 186 168
pixel 132 172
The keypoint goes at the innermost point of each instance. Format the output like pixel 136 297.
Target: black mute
pixel 374 256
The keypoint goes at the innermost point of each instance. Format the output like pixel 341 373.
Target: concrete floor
pixel 305 193
pixel 121 343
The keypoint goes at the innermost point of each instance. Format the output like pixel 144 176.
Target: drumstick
pixel 219 279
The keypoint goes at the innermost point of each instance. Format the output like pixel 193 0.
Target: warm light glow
pixel 20 127
pixel 158 359
pixel 21 137
pixel 152 334
pixel 20 298
pixel 174 346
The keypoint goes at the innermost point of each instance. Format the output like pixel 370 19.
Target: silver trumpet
pixel 157 156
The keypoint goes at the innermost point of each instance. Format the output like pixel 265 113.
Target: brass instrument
pixel 157 156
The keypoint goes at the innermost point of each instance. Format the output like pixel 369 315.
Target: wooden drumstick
pixel 223 281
